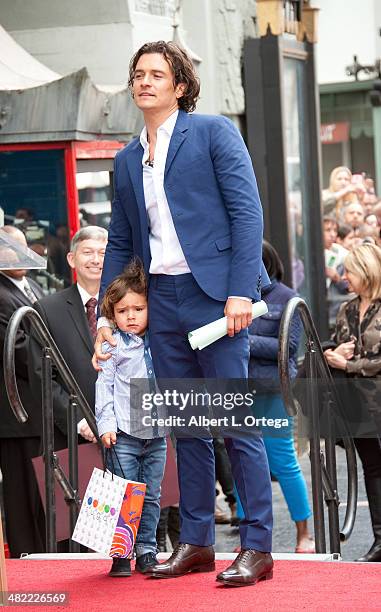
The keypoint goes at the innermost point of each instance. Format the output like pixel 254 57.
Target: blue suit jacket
pixel 212 194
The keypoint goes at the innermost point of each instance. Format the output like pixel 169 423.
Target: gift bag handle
pixel 109 453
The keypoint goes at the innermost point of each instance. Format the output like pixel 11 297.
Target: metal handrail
pixel 53 470
pixel 46 340
pixel 315 361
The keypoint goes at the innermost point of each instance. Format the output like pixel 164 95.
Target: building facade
pixel 351 130
pixel 102 36
pixel 256 62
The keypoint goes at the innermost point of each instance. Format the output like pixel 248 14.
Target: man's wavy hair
pixel 182 68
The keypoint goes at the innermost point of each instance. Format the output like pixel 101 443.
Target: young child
pixel 141 450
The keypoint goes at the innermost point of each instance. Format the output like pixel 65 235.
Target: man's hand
pixel 239 313
pixel 85 431
pixel 104 335
pixel 109 439
pixel 335 360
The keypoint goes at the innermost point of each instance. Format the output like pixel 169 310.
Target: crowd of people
pixel 351 216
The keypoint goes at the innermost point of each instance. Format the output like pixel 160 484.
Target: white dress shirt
pixel 166 252
pixel 85 297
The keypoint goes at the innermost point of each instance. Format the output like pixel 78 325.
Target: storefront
pixel 347 104
pixel 50 190
pixel 58 140
pixel 282 118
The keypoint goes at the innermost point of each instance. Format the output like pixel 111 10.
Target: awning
pixel 19 69
pixel 39 105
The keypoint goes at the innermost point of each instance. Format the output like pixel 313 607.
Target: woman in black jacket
pixel 358 355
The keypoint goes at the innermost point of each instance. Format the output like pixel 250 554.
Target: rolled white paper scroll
pixel 207 334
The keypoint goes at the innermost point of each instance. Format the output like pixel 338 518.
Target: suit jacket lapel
pixel 20 295
pixel 135 168
pixel 178 137
pixel 77 313
pixel 35 288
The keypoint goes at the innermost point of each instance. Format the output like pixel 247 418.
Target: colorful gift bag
pixel 110 514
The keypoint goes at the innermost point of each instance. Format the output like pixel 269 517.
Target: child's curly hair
pixel 132 279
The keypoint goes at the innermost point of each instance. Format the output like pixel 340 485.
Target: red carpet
pixel 297 585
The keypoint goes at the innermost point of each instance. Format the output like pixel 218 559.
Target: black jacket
pixel 12 298
pixel 65 318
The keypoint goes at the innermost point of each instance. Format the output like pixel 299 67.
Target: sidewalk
pixel 227 538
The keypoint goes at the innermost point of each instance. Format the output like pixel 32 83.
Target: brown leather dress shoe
pixel 184 559
pixel 249 567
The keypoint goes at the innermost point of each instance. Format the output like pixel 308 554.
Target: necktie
pixel 91 306
pixel 29 293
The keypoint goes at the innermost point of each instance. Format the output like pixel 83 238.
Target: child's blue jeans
pixel 143 461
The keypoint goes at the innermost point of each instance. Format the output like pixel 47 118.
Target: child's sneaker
pixel 146 562
pixel 121 568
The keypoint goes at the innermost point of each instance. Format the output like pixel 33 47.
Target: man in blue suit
pixel 186 202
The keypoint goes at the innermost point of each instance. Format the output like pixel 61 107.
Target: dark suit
pixel 64 315
pixel 65 318
pixel 19 442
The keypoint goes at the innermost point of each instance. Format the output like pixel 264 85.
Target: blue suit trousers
pixel 177 305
